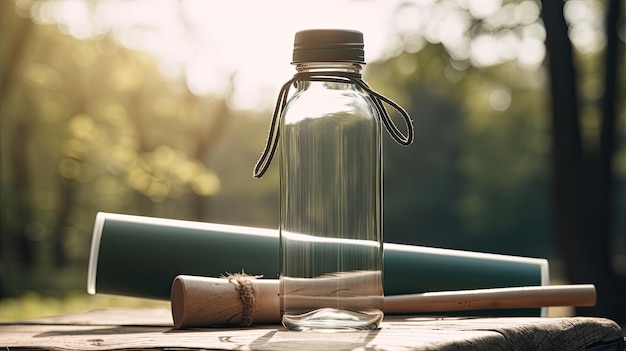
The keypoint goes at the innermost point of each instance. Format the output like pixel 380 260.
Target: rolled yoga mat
pixel 140 257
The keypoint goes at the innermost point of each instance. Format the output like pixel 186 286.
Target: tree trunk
pixel 18 41
pixel 581 184
pixel 206 141
pixel 67 195
pixel 26 244
pixel 611 287
pixel 13 229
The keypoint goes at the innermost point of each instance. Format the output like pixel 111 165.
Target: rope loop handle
pixel 334 77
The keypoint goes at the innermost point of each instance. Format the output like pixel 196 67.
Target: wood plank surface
pixel 151 329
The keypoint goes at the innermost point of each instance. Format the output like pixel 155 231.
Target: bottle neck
pixel 321 67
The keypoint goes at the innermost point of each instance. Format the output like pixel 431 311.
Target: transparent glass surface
pixel 330 209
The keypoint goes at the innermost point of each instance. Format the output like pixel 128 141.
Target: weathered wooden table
pixel 151 329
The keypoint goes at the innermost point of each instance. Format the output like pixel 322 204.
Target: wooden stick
pixel 204 301
pixel 498 298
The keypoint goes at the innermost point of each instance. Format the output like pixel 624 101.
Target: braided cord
pixel 334 77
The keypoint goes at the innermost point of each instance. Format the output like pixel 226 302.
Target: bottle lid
pixel 328 45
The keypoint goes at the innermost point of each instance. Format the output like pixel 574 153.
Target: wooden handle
pixel 203 301
pixel 500 298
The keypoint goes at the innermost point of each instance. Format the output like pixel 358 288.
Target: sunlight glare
pixel 78 16
pixel 484 50
pixel 585 38
pixel 252 42
pixel 249 42
pixel 483 8
pixel 506 16
pixel 500 99
pixel 528 12
pixel 585 19
pixel 451 31
pixel 508 43
pixel 531 52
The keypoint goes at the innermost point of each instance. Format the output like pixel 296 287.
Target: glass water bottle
pixel 328 138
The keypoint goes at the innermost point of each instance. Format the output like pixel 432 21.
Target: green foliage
pixel 88 126
pixel 35 305
pixel 477 176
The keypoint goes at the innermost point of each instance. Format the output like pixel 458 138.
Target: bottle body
pixel 330 208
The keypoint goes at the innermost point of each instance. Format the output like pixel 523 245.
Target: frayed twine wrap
pixel 245 287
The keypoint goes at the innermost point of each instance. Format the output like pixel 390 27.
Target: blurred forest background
pixel 89 124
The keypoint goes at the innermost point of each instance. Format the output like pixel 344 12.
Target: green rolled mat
pixel 140 257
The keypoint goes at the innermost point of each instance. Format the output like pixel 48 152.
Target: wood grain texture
pixel 206 301
pixel 152 329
